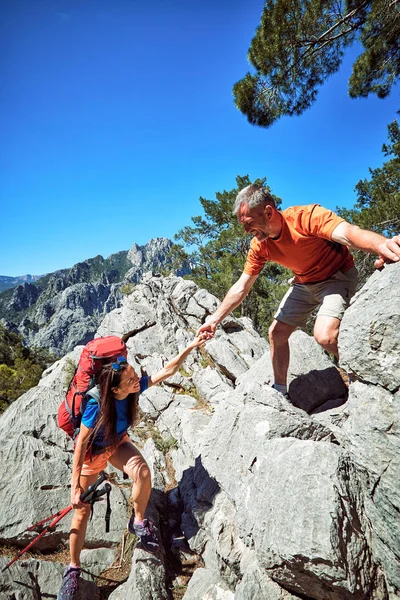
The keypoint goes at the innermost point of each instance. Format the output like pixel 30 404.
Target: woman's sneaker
pixel 70 584
pixel 147 534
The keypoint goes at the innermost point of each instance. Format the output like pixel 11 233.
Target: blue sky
pixel 117 116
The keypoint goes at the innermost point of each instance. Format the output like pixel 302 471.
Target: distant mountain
pixel 64 308
pixel 10 282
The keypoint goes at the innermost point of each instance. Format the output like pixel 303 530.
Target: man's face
pixel 256 220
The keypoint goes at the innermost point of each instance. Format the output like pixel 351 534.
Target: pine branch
pixel 311 51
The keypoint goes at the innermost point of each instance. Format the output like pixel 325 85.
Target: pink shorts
pixel 99 461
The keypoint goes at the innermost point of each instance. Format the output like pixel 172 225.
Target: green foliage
pixel 216 248
pixel 127 288
pixel 300 43
pixel 20 367
pixel 8 377
pixel 185 373
pixel 378 203
pixel 70 368
pixel 165 445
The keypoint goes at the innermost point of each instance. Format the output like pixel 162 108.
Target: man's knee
pixel 279 332
pixel 326 338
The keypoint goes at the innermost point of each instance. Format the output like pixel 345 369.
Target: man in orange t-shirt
pixel 313 242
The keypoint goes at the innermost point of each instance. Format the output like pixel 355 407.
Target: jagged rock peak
pixel 152 252
pixel 24 296
pixel 65 307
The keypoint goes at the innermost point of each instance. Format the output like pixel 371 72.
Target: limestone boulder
pixel 312 378
pixel 369 341
pixel 147 579
pixel 31 579
pixel 372 437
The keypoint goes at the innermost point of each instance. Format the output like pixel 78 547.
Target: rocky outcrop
pixel 24 296
pixel 370 333
pixel 65 308
pixel 272 501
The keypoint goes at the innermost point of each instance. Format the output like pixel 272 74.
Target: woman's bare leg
pixel 79 524
pixel 127 458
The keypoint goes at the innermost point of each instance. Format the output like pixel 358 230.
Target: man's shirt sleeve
pixel 255 260
pixel 320 221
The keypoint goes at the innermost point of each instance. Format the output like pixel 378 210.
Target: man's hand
pixel 208 328
pixel 200 339
pixel 389 252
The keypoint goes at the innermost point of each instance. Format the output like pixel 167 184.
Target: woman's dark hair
pixel 107 379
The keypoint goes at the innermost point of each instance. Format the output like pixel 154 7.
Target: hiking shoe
pixel 70 584
pixel 285 394
pixel 147 534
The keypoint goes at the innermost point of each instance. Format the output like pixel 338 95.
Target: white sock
pixel 282 389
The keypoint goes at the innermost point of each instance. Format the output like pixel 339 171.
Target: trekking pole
pixel 91 495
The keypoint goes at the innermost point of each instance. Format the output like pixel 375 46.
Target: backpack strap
pixel 94 393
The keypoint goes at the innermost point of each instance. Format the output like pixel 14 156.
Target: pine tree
pixel 300 43
pixel 20 367
pixel 378 203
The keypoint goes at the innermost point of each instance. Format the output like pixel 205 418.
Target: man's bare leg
pixel 279 334
pixel 326 333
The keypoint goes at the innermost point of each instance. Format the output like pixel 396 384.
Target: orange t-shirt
pixel 305 246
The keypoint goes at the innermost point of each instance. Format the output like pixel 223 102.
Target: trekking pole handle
pixel 105 489
pixel 92 488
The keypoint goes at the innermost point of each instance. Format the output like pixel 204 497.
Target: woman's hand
pixel 76 493
pixel 173 365
pixel 200 339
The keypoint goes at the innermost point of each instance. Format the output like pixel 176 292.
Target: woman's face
pixel 129 383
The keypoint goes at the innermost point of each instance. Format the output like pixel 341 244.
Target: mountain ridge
pixel 7 281
pixel 64 308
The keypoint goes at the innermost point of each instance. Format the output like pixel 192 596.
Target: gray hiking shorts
pixel 332 296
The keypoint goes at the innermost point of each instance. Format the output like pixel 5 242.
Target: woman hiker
pixel 104 426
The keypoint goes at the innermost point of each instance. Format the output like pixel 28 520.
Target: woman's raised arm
pixel 173 365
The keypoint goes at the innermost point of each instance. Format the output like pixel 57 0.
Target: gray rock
pixel 211 385
pixel 186 424
pixel 23 297
pixel 279 504
pixel 30 579
pixel 156 461
pixel 97 560
pixel 146 580
pixel 372 437
pixel 369 341
pixel 256 585
pixel 312 378
pixel 154 400
pixel 207 585
pixel 149 257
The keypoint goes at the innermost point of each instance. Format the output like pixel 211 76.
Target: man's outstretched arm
pixel 368 241
pixel 233 298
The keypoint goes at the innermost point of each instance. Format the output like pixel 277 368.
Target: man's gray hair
pixel 252 195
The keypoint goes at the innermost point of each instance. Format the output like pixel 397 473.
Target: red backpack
pixel 94 355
